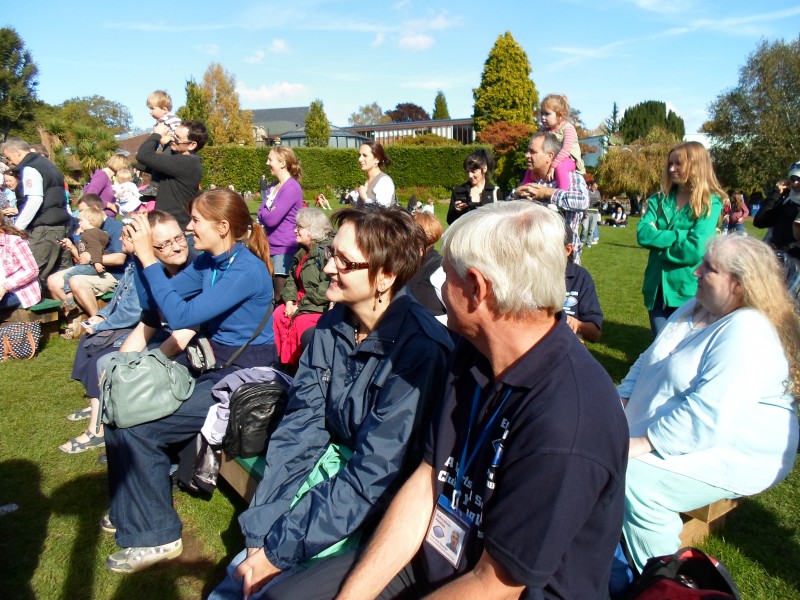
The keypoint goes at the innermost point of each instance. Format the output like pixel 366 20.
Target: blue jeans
pixel 138 472
pixel 660 313
pixel 79 270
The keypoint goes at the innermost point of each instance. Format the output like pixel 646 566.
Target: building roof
pixel 278 121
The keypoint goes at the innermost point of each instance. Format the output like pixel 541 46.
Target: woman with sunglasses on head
pixel 365 389
pixel 226 292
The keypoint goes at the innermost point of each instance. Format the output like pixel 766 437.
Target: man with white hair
pixel 44 216
pixel 526 458
pixel 542 149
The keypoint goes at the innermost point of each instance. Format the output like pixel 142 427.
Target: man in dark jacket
pixel 44 214
pixel 781 209
pixel 178 169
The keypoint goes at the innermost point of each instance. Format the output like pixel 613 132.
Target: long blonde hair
pixel 699 178
pixel 754 266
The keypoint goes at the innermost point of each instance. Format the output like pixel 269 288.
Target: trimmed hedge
pixel 337 168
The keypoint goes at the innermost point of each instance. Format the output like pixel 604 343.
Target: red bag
pixel 689 574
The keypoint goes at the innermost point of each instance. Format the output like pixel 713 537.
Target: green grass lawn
pixel 53 548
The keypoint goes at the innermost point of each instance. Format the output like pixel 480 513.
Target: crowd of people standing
pixel 493 455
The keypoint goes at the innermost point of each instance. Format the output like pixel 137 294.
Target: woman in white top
pixel 379 187
pixel 702 427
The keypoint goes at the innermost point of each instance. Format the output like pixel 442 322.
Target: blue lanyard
pixel 225 272
pixel 465 462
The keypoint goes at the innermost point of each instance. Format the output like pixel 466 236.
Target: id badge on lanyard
pixel 450 527
pixel 448 531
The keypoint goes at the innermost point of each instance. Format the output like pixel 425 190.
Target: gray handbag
pixel 139 387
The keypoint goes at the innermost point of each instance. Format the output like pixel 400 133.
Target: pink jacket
pixel 19 271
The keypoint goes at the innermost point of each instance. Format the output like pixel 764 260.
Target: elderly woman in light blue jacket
pixel 702 428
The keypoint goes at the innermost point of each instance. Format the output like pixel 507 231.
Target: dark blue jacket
pixel 52 212
pixel 377 399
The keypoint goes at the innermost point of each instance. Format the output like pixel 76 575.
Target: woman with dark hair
pixel 379 187
pixel 304 298
pixel 365 390
pixel 478 190
pixel 678 223
pixel 278 212
pixel 226 292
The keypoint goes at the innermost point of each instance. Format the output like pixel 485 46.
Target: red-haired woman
pixel 225 292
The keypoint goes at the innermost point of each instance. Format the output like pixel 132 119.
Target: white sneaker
pixel 132 560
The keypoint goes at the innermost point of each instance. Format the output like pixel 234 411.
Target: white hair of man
pixel 517 246
pixel 550 143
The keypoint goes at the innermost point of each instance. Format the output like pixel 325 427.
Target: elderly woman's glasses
pixel 344 265
pixel 179 239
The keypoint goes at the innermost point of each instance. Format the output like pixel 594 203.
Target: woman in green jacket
pixel 679 222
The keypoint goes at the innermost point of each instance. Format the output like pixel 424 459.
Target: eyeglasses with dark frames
pixel 179 239
pixel 343 265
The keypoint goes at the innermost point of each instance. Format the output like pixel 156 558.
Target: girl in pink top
pixel 554 115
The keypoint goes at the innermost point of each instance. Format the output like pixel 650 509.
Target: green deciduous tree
pixel 640 118
pixel 18 81
pixel 97 112
pixel 318 129
pixel 506 92
pixel 636 167
pixel 226 122
pixel 196 107
pixel 754 125
pixel 440 110
pixel 369 114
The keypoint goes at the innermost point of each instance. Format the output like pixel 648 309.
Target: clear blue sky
pixel 683 52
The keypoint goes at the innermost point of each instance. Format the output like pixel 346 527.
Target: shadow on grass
pixel 757 533
pixel 232 537
pixel 23 532
pixel 614 349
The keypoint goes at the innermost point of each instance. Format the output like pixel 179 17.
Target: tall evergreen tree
pixel 226 123
pixel 440 106
pixel 18 81
pixel 318 129
pixel 506 92
pixel 196 107
pixel 611 124
pixel 640 118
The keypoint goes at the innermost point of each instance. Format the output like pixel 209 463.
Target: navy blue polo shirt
pixel 581 301
pixel 546 489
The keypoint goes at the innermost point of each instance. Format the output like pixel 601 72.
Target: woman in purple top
pixel 278 211
pixel 101 181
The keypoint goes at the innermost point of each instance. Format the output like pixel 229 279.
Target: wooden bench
pixel 697 524
pixel 242 474
pixel 46 312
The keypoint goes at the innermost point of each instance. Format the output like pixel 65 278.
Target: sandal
pixel 73 446
pixel 80 414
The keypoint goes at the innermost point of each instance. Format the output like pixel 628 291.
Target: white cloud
pixel 661 7
pixel 401 4
pixel 277 92
pixel 416 41
pixel 279 46
pixel 255 58
pixel 210 49
pixel 441 21
pixel 380 37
